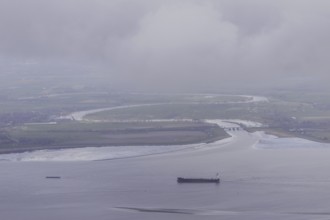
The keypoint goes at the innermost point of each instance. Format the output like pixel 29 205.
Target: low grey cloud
pixel 177 44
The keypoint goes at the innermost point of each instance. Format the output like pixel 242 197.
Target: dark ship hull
pixel 197 180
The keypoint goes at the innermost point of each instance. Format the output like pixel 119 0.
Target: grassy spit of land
pixel 74 134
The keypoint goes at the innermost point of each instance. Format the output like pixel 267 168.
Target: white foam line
pixel 267 141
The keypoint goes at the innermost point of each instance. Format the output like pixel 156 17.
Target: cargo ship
pixel 198 180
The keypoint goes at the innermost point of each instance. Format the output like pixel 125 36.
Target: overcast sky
pixel 175 43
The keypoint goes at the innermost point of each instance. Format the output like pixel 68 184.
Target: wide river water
pixel 258 181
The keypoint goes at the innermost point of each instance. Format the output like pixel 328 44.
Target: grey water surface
pixel 255 184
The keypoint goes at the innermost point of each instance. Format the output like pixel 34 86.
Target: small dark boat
pixel 53 177
pixel 198 180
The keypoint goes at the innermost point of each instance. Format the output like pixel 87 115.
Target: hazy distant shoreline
pixel 159 135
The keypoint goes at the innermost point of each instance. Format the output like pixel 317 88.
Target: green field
pixel 178 111
pixel 80 134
